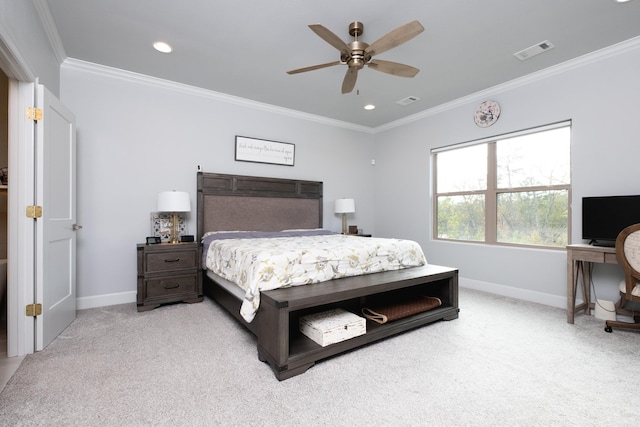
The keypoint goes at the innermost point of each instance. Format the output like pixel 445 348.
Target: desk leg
pixel 586 288
pixel 571 288
pixel 576 269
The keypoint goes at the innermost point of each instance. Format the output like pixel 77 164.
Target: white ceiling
pixel 244 48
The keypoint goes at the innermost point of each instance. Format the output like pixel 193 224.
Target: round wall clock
pixel 486 114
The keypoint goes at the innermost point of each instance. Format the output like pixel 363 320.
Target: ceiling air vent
pixel 534 50
pixel 408 100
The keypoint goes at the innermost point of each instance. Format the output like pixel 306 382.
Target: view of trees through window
pixel 511 190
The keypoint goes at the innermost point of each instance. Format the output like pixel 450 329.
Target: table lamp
pixel 344 206
pixel 174 202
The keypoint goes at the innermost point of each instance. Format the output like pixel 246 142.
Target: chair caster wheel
pixel 608 329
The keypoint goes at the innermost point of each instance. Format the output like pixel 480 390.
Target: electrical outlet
pixel 373 162
pixel 199 168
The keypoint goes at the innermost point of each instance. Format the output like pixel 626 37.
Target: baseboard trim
pixel 84 303
pixel 508 291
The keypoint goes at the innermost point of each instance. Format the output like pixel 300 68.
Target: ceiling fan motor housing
pixel 357 58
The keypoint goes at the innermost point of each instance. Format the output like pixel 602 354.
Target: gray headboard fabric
pixel 250 203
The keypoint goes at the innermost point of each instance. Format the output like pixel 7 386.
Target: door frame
pixel 21 230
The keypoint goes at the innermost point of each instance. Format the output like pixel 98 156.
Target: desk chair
pixel 628 254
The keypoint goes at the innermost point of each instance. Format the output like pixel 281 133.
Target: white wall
pixel 137 137
pixel 21 30
pixel 599 93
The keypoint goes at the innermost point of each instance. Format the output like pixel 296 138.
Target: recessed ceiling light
pixel 622 1
pixel 369 107
pixel 162 47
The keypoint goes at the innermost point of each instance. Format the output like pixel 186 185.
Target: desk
pixel 579 259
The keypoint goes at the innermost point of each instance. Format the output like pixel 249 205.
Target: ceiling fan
pixel 357 54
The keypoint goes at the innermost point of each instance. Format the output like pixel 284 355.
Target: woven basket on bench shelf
pixel 391 312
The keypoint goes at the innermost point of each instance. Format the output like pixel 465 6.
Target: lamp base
pixel 344 223
pixel 174 229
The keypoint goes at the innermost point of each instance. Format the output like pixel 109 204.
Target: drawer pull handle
pixel 172 260
pixel 177 285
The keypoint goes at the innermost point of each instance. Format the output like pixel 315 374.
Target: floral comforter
pixel 261 264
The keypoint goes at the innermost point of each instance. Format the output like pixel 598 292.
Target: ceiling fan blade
pixel 394 68
pixel 326 35
pixel 349 80
pixel 313 67
pixel 395 38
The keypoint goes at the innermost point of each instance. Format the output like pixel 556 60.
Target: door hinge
pixel 34 113
pixel 34 212
pixel 34 310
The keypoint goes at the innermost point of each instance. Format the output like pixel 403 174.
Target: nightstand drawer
pixel 168 273
pixel 172 285
pixel 170 261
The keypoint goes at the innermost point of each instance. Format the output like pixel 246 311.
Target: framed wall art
pixel 263 151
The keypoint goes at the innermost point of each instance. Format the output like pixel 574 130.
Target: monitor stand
pixel 603 243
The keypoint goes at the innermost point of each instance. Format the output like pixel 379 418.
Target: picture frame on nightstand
pixel 161 226
pixel 153 240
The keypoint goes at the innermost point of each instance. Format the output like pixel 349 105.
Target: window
pixel 512 190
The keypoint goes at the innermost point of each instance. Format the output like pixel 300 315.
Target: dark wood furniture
pixel 290 353
pixel 168 273
pixel 233 202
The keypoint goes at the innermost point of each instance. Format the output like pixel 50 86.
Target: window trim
pixel 492 191
pixel 528 131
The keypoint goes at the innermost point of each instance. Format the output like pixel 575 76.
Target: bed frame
pixel 234 202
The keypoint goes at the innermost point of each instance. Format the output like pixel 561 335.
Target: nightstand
pixel 168 273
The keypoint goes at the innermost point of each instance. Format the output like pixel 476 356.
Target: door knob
pixel 76 227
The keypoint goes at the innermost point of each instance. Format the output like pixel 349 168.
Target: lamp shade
pixel 345 206
pixel 174 201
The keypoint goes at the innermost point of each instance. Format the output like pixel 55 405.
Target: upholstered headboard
pixel 235 202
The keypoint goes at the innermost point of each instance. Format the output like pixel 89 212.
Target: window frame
pixel 492 191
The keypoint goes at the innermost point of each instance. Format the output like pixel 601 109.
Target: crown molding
pixel 581 61
pixel 116 73
pixel 48 23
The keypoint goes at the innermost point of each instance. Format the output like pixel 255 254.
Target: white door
pixel 55 182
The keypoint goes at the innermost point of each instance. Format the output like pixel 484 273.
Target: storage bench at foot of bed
pixel 289 352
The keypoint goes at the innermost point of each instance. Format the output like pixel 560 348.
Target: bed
pixel 268 205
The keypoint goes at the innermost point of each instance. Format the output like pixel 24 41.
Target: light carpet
pixel 503 362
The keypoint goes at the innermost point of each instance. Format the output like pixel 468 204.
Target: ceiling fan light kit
pixel 357 54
